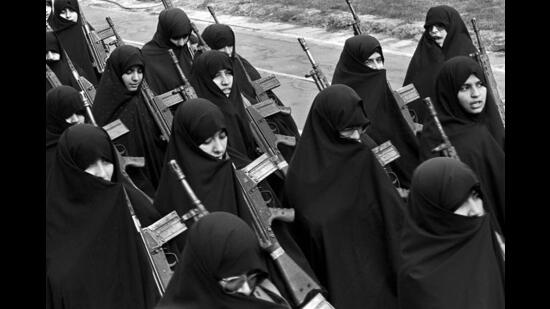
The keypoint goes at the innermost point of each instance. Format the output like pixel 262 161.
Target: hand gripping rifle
pixel 357 22
pixel 51 77
pixel 483 60
pixel 299 283
pixel 446 147
pixel 95 45
pixel 155 104
pixel 317 74
pixel 159 233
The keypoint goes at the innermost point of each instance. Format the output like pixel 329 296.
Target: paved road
pixel 271 47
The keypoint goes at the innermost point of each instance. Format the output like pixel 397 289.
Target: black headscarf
pixel 60 67
pixel 162 74
pixel 71 37
pixel 219 36
pixel 204 69
pixel 478 138
pixel 387 122
pixel 94 258
pixel 429 56
pixel 61 103
pixel 114 101
pixel 449 261
pixel 348 214
pixel 219 245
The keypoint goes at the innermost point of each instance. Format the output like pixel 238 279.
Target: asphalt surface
pixel 271 47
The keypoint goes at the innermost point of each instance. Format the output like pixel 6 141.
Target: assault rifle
pixel 267 140
pixel 446 147
pixel 159 233
pixel 404 96
pixel 83 83
pixel 483 60
pixel 186 90
pixel 52 78
pixel 157 105
pixel 299 283
pixel 95 45
pixel 357 22
pixel 316 73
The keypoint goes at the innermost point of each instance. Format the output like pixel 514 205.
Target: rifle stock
pixel 446 147
pixel 316 73
pixel 483 59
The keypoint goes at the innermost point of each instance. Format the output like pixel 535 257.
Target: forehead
pixel 471 79
pixel 375 55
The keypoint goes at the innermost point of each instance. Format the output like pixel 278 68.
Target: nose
pixel 102 171
pixel 135 76
pixel 355 134
pixel 475 92
pixel 225 79
pixel 379 65
pixel 227 51
pixel 434 29
pixel 217 147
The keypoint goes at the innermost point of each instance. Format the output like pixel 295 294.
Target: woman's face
pixel 438 33
pixel 101 168
pixel 472 207
pixel 69 14
pixel 75 119
pixel 242 284
pixel 472 94
pixel 52 56
pixel 132 78
pixel 227 49
pixel 375 61
pixel 352 133
pixel 180 42
pixel 48 10
pixel 224 81
pixel 215 145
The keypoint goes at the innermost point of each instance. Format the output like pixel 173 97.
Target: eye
pixel 223 134
pixel 464 87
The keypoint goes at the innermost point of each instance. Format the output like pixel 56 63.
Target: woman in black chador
pixel 56 60
pixel 222 38
pixel 221 267
pixel 64 108
pixel 119 97
pixel 452 257
pixel 361 66
pixel 471 121
pixel 348 213
pixel 199 144
pixel 67 26
pixel 446 36
pixel 208 66
pixel 94 257
pixel 173 30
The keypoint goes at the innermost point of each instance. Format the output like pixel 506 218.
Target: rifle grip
pixel 282 214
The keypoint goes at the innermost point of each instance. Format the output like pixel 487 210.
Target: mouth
pixel 227 91
pixel 476 104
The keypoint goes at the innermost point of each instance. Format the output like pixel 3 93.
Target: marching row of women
pixel 431 237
